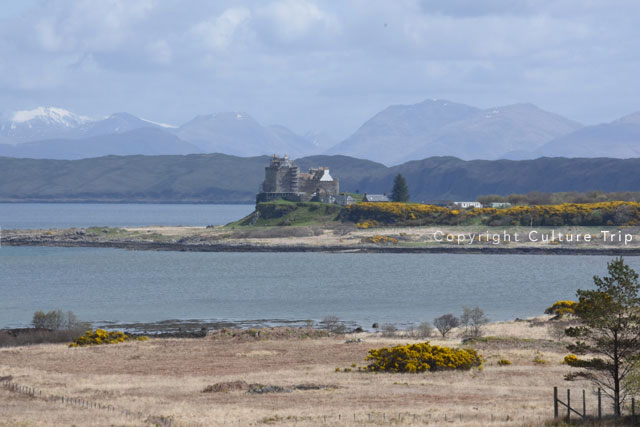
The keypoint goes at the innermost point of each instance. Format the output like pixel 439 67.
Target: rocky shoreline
pixel 222 247
pixel 299 239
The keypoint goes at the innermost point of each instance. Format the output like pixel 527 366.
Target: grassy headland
pixel 379 227
pixel 367 215
pixel 285 213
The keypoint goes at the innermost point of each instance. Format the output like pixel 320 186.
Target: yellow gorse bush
pixel 570 359
pixel 370 214
pixel 380 240
pixel 373 213
pixel 100 336
pixel 422 357
pixel 366 224
pixel 560 308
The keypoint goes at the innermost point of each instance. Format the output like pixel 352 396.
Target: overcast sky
pixel 318 65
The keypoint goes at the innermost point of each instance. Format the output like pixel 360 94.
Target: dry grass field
pixel 166 377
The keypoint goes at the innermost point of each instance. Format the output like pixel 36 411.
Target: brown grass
pixel 166 377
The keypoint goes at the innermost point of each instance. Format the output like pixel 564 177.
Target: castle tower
pixel 281 176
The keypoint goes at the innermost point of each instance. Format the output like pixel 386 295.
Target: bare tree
pixel 389 330
pixel 473 319
pixel 334 324
pixel 446 323
pixel 423 330
pixel 57 320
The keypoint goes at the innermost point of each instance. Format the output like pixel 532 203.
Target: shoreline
pixel 339 238
pixel 362 249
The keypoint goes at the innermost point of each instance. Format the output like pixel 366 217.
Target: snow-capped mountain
pixel 118 123
pixel 50 115
pixel 41 123
pixel 48 132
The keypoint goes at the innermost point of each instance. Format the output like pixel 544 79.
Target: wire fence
pixel 362 418
pixel 157 420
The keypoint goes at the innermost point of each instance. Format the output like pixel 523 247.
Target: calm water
pixel 119 285
pixel 65 215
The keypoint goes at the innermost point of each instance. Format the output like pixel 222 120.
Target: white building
pixel 345 200
pixel 467 205
pixel 500 205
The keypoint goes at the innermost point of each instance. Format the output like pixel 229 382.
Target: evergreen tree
pixel 609 329
pixel 400 192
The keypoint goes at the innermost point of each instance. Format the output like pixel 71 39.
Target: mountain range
pixel 395 135
pixel 55 133
pixel 220 178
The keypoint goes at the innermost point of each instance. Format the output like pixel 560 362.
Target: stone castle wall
pixel 283 180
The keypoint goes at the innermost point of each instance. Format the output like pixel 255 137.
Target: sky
pixel 311 65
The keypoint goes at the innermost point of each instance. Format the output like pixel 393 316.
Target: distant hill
pixel 490 134
pixel 240 134
pixel 202 178
pixel 443 128
pixel 395 135
pixel 452 178
pixel 619 139
pixel 219 178
pixel 148 140
pixel 399 130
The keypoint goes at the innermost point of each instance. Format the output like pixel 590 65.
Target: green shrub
pixel 422 357
pixel 504 362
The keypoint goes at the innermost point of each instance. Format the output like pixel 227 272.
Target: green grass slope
pixel 284 213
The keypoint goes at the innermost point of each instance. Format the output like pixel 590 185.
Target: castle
pixel 283 180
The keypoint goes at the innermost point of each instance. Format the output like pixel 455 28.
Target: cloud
pixel 218 33
pixel 312 64
pixel 160 52
pixel 293 21
pixel 88 25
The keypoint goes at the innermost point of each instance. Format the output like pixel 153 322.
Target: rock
pixel 260 389
pixel 226 386
pixel 312 386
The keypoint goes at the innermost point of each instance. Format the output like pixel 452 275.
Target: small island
pixel 305 212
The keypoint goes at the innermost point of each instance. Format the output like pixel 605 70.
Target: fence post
pixel 568 404
pixel 633 411
pixel 555 403
pixel 584 405
pixel 599 404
